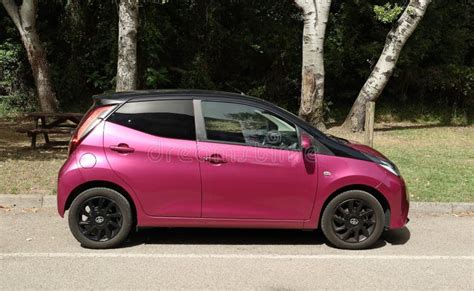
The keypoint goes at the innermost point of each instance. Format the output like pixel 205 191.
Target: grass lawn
pixel 437 162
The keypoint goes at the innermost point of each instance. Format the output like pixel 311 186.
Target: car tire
pixel 100 218
pixel 353 220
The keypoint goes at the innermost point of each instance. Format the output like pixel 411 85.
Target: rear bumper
pixel 68 178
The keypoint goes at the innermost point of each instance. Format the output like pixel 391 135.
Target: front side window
pixel 164 118
pixel 238 123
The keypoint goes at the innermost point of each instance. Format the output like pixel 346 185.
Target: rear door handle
pixel 122 148
pixel 215 159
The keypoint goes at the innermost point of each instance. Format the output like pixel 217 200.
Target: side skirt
pixel 218 223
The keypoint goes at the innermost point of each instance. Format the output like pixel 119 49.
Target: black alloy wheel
pixel 353 220
pixel 100 218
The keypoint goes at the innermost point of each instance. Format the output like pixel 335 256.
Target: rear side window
pixel 164 118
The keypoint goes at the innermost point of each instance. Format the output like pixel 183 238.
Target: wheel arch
pixel 374 192
pixel 105 184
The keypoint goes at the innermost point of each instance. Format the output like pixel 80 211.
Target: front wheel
pixel 353 220
pixel 100 218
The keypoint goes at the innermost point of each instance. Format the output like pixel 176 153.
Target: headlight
pixel 389 167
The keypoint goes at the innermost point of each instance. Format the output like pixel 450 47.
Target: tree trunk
pixel 24 18
pixel 73 10
pixel 378 78
pixel 127 73
pixel 74 20
pixel 316 13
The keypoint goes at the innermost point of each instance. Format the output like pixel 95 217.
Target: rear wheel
pixel 100 218
pixel 353 220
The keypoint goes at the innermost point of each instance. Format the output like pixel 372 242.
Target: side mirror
pixel 308 150
pixel 306 142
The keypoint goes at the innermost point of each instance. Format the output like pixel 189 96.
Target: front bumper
pixel 394 190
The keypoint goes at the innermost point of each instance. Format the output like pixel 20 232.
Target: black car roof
pixel 119 97
pixel 149 95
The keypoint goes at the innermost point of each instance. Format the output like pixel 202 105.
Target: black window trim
pixel 201 128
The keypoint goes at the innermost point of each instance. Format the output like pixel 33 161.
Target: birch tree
pixel 315 13
pixel 127 72
pixel 24 18
pixel 383 70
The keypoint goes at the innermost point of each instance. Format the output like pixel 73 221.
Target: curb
pixel 49 201
pixel 441 207
pixel 28 201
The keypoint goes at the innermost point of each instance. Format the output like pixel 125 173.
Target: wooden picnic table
pixel 51 123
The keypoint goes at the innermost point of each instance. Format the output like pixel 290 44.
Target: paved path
pixel 37 251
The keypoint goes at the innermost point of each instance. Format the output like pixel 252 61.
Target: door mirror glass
pixel 309 151
pixel 306 141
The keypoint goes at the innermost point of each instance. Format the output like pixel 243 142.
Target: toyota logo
pixel 354 221
pixel 99 219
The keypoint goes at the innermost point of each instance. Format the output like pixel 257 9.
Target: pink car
pixel 176 158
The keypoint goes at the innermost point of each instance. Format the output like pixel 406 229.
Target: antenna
pixel 235 89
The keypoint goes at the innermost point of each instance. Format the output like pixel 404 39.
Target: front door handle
pixel 215 159
pixel 122 148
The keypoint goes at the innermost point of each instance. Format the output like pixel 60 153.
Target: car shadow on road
pixel 197 236
pixel 397 236
pixel 217 236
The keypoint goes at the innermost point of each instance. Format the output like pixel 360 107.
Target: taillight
pixel 87 124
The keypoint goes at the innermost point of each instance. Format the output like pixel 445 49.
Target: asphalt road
pixel 37 251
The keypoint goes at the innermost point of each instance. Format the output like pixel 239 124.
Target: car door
pixel 151 146
pixel 251 164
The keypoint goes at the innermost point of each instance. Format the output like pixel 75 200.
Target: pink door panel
pixel 164 172
pixel 256 183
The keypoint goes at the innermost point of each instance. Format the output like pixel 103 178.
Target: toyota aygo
pixel 177 158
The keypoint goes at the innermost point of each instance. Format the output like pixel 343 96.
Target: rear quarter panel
pixel 75 172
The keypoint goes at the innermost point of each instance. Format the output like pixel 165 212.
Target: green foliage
pixel 198 76
pixel 249 46
pixel 150 51
pixel 9 57
pixel 19 101
pixel 14 95
pixel 153 77
pixel 258 92
pixel 387 13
